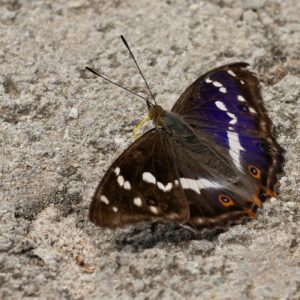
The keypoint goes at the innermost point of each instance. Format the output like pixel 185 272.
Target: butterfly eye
pixel 225 200
pixel 255 172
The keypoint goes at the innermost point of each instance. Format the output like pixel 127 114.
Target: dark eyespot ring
pixel 225 200
pixel 254 171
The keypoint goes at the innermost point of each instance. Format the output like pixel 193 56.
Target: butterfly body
pixel 210 161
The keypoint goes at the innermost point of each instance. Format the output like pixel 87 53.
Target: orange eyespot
pixel 225 200
pixel 255 172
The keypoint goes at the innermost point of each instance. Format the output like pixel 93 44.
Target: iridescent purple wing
pixel 225 106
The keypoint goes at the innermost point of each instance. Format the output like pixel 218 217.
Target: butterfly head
pixel 156 113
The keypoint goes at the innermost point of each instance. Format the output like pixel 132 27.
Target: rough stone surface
pixel 60 128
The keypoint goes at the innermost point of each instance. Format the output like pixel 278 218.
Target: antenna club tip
pixel 124 41
pixel 89 69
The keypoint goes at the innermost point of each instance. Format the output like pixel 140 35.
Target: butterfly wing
pixel 211 167
pixel 135 189
pixel 161 178
pixel 225 108
pixel 217 195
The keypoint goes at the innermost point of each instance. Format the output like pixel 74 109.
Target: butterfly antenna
pixel 127 46
pixel 149 104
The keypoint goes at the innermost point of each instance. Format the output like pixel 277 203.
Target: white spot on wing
pixel 168 187
pixel 241 98
pixel 223 90
pixel 137 201
pixel 198 184
pixel 233 138
pixel 221 105
pixel 205 183
pixel 115 209
pixel 207 80
pixel 117 171
pixel 160 186
pixel 190 184
pixel 153 209
pixel 120 180
pixel 252 110
pixel 231 73
pixel 104 199
pixel 235 146
pixel 163 187
pixel 127 185
pixel 217 84
pixel 148 177
pixel 242 82
pixel 233 118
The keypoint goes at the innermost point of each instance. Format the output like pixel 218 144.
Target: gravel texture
pixel 60 129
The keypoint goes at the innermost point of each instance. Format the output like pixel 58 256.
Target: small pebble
pixel 74 113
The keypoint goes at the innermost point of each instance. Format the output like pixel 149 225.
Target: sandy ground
pixel 60 129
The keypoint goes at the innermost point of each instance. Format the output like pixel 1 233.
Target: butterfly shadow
pixel 145 236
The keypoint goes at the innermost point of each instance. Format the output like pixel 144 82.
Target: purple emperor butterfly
pixel 210 161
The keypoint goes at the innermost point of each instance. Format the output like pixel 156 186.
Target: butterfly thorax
pixel 172 123
pixel 157 113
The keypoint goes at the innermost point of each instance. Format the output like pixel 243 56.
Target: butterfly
pixel 210 161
